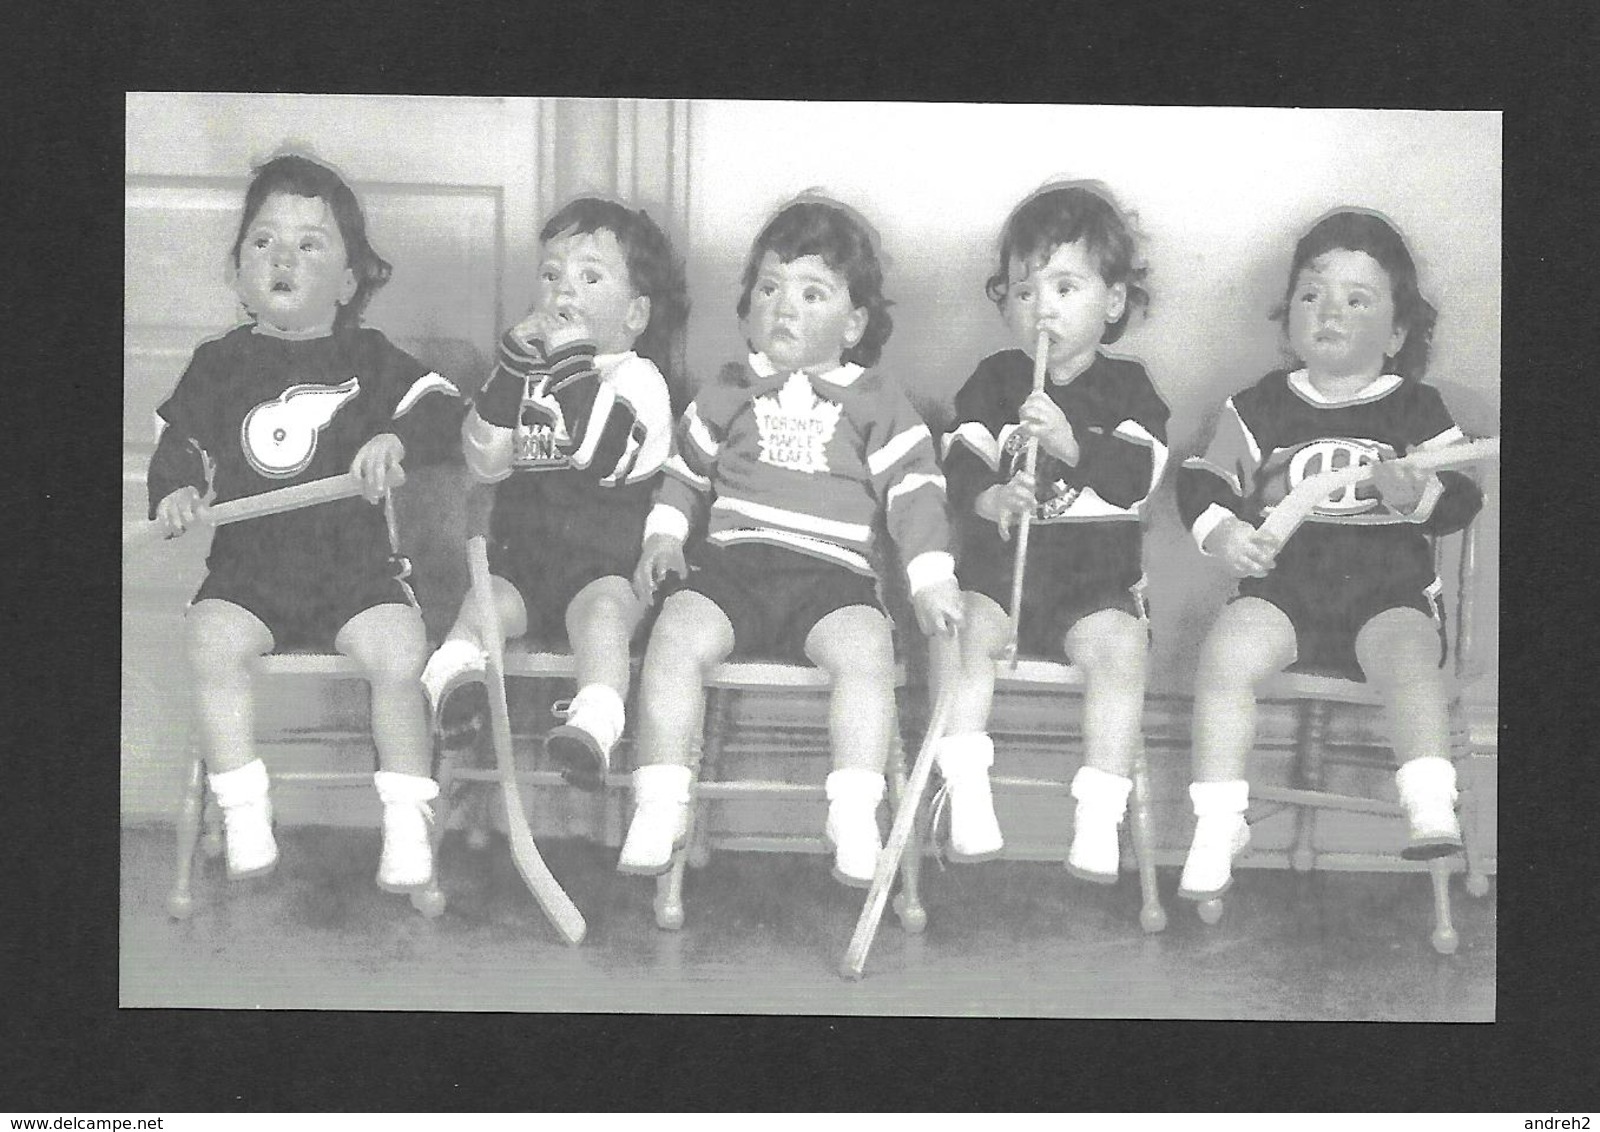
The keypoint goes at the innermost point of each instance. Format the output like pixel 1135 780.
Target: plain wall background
pixel 1221 194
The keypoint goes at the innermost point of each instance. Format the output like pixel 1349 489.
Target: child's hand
pixel 1399 486
pixel 938 608
pixel 181 510
pixel 377 465
pixel 1005 503
pixel 660 556
pixel 1246 551
pixel 1042 419
pixel 543 330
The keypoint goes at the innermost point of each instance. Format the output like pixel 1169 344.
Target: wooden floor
pixel 765 933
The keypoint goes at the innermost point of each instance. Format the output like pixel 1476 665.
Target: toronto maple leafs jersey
pixel 811 464
pixel 258 413
pixel 1087 515
pixel 587 481
pixel 1281 430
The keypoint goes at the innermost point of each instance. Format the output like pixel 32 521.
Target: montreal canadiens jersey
pixel 809 463
pixel 1281 430
pixel 259 413
pixel 589 481
pixel 1120 422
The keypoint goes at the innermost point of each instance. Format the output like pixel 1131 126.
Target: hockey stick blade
pixel 945 655
pixel 553 899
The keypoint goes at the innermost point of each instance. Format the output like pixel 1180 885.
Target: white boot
pixel 455 664
pixel 246 819
pixel 1220 835
pixel 581 746
pixel 1428 792
pixel 1096 853
pixel 852 826
pixel 660 819
pixel 964 762
pixel 407 861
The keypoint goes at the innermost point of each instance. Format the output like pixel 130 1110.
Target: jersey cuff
pixel 665 519
pixel 929 569
pixel 486 448
pixel 1208 521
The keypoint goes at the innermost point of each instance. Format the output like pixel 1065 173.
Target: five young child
pixel 751 523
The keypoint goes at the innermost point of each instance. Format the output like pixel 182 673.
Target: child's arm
pixel 974 449
pixel 178 477
pixel 1441 502
pixel 487 431
pixel 1122 457
pixel 1211 499
pixel 906 479
pixel 684 495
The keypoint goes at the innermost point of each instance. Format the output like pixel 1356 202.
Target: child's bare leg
pixel 1399 653
pixel 854 644
pixel 1251 640
pixel 222 639
pixel 966 752
pixel 1110 646
pixel 691 635
pixel 390 644
pixel 600 624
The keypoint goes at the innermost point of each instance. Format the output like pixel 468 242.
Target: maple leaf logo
pixel 795 426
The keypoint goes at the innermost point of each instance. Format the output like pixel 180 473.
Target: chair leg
pixel 1445 940
pixel 1309 749
pixel 1152 918
pixel 180 902
pixel 908 902
pixel 719 716
pixel 669 886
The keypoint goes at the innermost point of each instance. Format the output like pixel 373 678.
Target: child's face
pixel 584 282
pixel 801 316
pixel 1066 296
pixel 1341 315
pixel 293 272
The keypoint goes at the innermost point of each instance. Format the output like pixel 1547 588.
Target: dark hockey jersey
pixel 1279 431
pixel 1120 423
pixel 256 413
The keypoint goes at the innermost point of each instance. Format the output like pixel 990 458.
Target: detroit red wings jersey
pixel 809 463
pixel 1279 431
pixel 265 412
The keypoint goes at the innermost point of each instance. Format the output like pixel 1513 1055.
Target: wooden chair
pixel 727 732
pixel 1318 748
pixel 1034 678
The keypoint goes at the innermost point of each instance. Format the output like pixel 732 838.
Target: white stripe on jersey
pixel 700 434
pixel 839 554
pixel 896 449
pixel 1451 435
pixel 427 383
pixel 979 440
pixel 1135 433
pixel 677 467
pixel 795 520
pixel 911 483
pixel 1201 464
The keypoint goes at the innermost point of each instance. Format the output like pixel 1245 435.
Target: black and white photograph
pixel 483 458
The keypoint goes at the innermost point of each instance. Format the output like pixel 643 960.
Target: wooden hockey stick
pixel 946 655
pixel 138 536
pixel 1297 506
pixel 557 905
pixel 1030 461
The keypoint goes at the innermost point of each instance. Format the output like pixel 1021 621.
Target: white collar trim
pixel 1301 384
pixel 843 376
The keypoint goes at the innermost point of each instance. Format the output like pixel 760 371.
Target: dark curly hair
pixel 1358 230
pixel 1065 213
pixel 300 176
pixel 654 269
pixel 847 244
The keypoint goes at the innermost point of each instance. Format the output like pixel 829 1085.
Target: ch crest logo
pixel 1329 456
pixel 795 426
pixel 279 437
